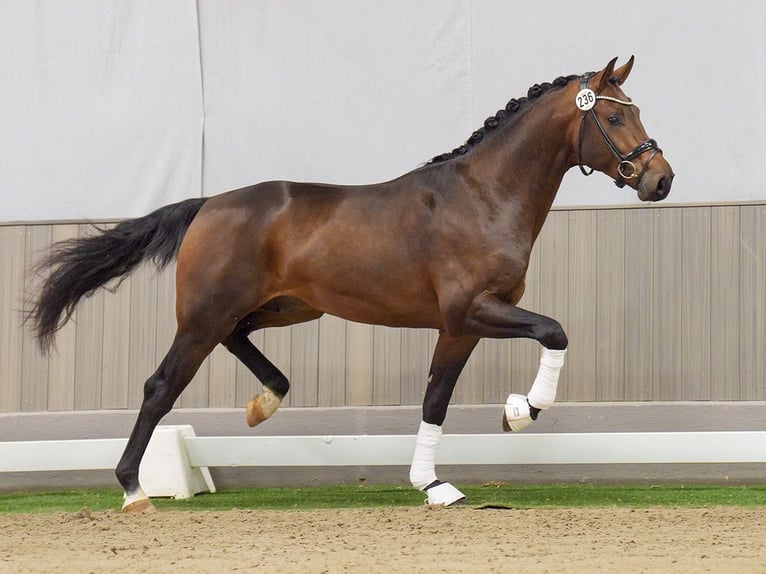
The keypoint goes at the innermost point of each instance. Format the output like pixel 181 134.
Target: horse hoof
pixel 262 406
pixel 254 412
pixel 142 506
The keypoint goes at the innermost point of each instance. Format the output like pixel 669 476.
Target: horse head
pixel 611 139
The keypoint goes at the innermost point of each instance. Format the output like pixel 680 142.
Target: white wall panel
pixel 100 109
pixel 342 91
pixel 104 104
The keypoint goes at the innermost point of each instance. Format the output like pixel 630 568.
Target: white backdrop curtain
pixel 109 109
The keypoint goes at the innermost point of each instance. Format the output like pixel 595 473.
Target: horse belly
pixel 369 297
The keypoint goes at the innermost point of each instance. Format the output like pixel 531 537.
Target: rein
pixel 586 101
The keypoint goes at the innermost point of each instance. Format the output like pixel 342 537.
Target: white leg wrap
pixel 423 468
pixel 517 416
pixel 444 493
pixel 543 392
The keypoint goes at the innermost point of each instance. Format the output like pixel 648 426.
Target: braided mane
pixel 503 116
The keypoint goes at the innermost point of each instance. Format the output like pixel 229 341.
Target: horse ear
pixel 606 74
pixel 621 74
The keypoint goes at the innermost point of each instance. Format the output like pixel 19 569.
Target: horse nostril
pixel 663 187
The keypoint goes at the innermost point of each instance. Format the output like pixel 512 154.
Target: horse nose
pixel 663 186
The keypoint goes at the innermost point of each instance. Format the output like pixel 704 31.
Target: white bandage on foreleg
pixel 423 469
pixel 543 392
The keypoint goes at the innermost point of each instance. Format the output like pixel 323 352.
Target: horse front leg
pixel 448 361
pixel 490 316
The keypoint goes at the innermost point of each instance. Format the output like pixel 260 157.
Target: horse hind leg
pixel 160 393
pixel 276 313
pixel 275 384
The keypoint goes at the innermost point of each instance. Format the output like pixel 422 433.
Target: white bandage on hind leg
pixel 423 469
pixel 543 392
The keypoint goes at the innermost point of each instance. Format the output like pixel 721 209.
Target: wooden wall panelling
pixel 639 303
pixel 695 293
pixel 416 358
pixel 470 387
pixel 582 290
pixel 610 306
pixel 304 365
pixel 222 378
pixel 12 242
pixel 667 332
pixel 89 353
pixel 359 364
pixel 35 366
pixel 724 304
pixel 498 363
pixel 387 359
pixel 143 332
pixel 753 303
pixel 332 361
pixel 115 368
pixel 197 394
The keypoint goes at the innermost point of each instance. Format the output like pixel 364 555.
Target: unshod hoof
pixel 254 413
pixel 262 406
pixel 142 506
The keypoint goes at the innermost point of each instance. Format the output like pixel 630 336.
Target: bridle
pixel 626 169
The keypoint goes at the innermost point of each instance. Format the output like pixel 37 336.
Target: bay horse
pixel 445 246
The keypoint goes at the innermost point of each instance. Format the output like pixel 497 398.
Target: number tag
pixel 585 99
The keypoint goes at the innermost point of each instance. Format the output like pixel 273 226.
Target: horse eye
pixel 614 120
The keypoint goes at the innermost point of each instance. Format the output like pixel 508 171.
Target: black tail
pixel 78 267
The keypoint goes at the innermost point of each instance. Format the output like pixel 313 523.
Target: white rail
pixel 392 450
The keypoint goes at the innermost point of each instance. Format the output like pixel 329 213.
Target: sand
pixel 412 540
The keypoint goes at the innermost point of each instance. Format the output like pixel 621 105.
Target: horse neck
pixel 525 162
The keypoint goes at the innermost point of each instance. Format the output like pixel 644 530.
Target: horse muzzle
pixel 655 185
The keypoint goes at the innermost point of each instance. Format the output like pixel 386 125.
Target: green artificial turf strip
pixel 499 495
